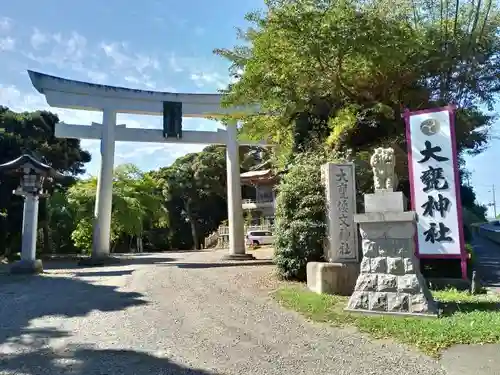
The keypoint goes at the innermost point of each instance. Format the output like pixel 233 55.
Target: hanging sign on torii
pixel 172 119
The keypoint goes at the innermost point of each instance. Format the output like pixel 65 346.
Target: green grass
pixel 465 319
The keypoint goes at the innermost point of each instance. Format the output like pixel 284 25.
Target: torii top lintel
pixel 67 93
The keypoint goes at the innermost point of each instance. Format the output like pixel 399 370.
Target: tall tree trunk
pixel 140 247
pixel 192 222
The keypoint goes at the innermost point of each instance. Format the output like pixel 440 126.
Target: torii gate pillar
pixel 104 195
pixel 234 208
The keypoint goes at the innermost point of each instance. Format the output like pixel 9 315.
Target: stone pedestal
pixel 28 263
pixel 332 278
pixel 385 201
pixel 238 257
pixel 390 281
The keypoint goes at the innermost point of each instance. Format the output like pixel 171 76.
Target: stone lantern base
pixel 238 257
pixel 26 267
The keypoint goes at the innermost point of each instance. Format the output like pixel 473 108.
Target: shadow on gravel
pixel 103 273
pixel 65 263
pixel 222 265
pixel 86 360
pixel 24 299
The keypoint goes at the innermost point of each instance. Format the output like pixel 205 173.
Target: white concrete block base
pixel 332 278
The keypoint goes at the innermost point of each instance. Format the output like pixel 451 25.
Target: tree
pixel 137 202
pixel 33 132
pixel 61 222
pixel 322 78
pixel 193 179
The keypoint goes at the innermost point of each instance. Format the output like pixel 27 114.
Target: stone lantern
pixel 32 174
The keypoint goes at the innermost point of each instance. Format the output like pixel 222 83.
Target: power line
pixel 493 203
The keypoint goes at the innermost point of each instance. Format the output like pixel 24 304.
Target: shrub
pixel 82 236
pixel 300 227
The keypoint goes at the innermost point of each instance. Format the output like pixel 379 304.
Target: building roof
pixel 266 176
pixel 256 174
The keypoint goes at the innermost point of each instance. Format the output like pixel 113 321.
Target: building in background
pixel 259 196
pixel 258 203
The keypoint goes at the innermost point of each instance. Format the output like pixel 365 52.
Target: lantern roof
pixel 28 161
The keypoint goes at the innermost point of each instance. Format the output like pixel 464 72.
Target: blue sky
pixel 162 45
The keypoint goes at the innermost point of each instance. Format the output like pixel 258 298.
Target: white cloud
pixel 65 52
pixel 114 52
pixel 132 79
pixel 174 65
pixel 61 51
pixel 73 52
pixel 38 39
pixel 7 44
pixel 5 24
pixel 118 53
pixel 11 97
pixel 202 79
pixel 97 77
pixel 136 68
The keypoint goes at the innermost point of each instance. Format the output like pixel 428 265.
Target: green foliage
pixel 82 235
pixel 61 222
pixel 137 203
pixel 81 198
pixel 305 61
pixel 300 216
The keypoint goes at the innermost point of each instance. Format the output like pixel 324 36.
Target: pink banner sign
pixel 435 183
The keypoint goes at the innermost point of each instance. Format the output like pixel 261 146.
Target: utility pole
pixel 494 202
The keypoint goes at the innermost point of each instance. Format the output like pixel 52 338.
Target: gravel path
pixel 186 315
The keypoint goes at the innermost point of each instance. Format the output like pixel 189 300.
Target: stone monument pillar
pixel 390 281
pixel 338 274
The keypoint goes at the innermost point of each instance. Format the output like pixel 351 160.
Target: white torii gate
pixel 65 93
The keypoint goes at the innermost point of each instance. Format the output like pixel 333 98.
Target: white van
pixel 259 237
